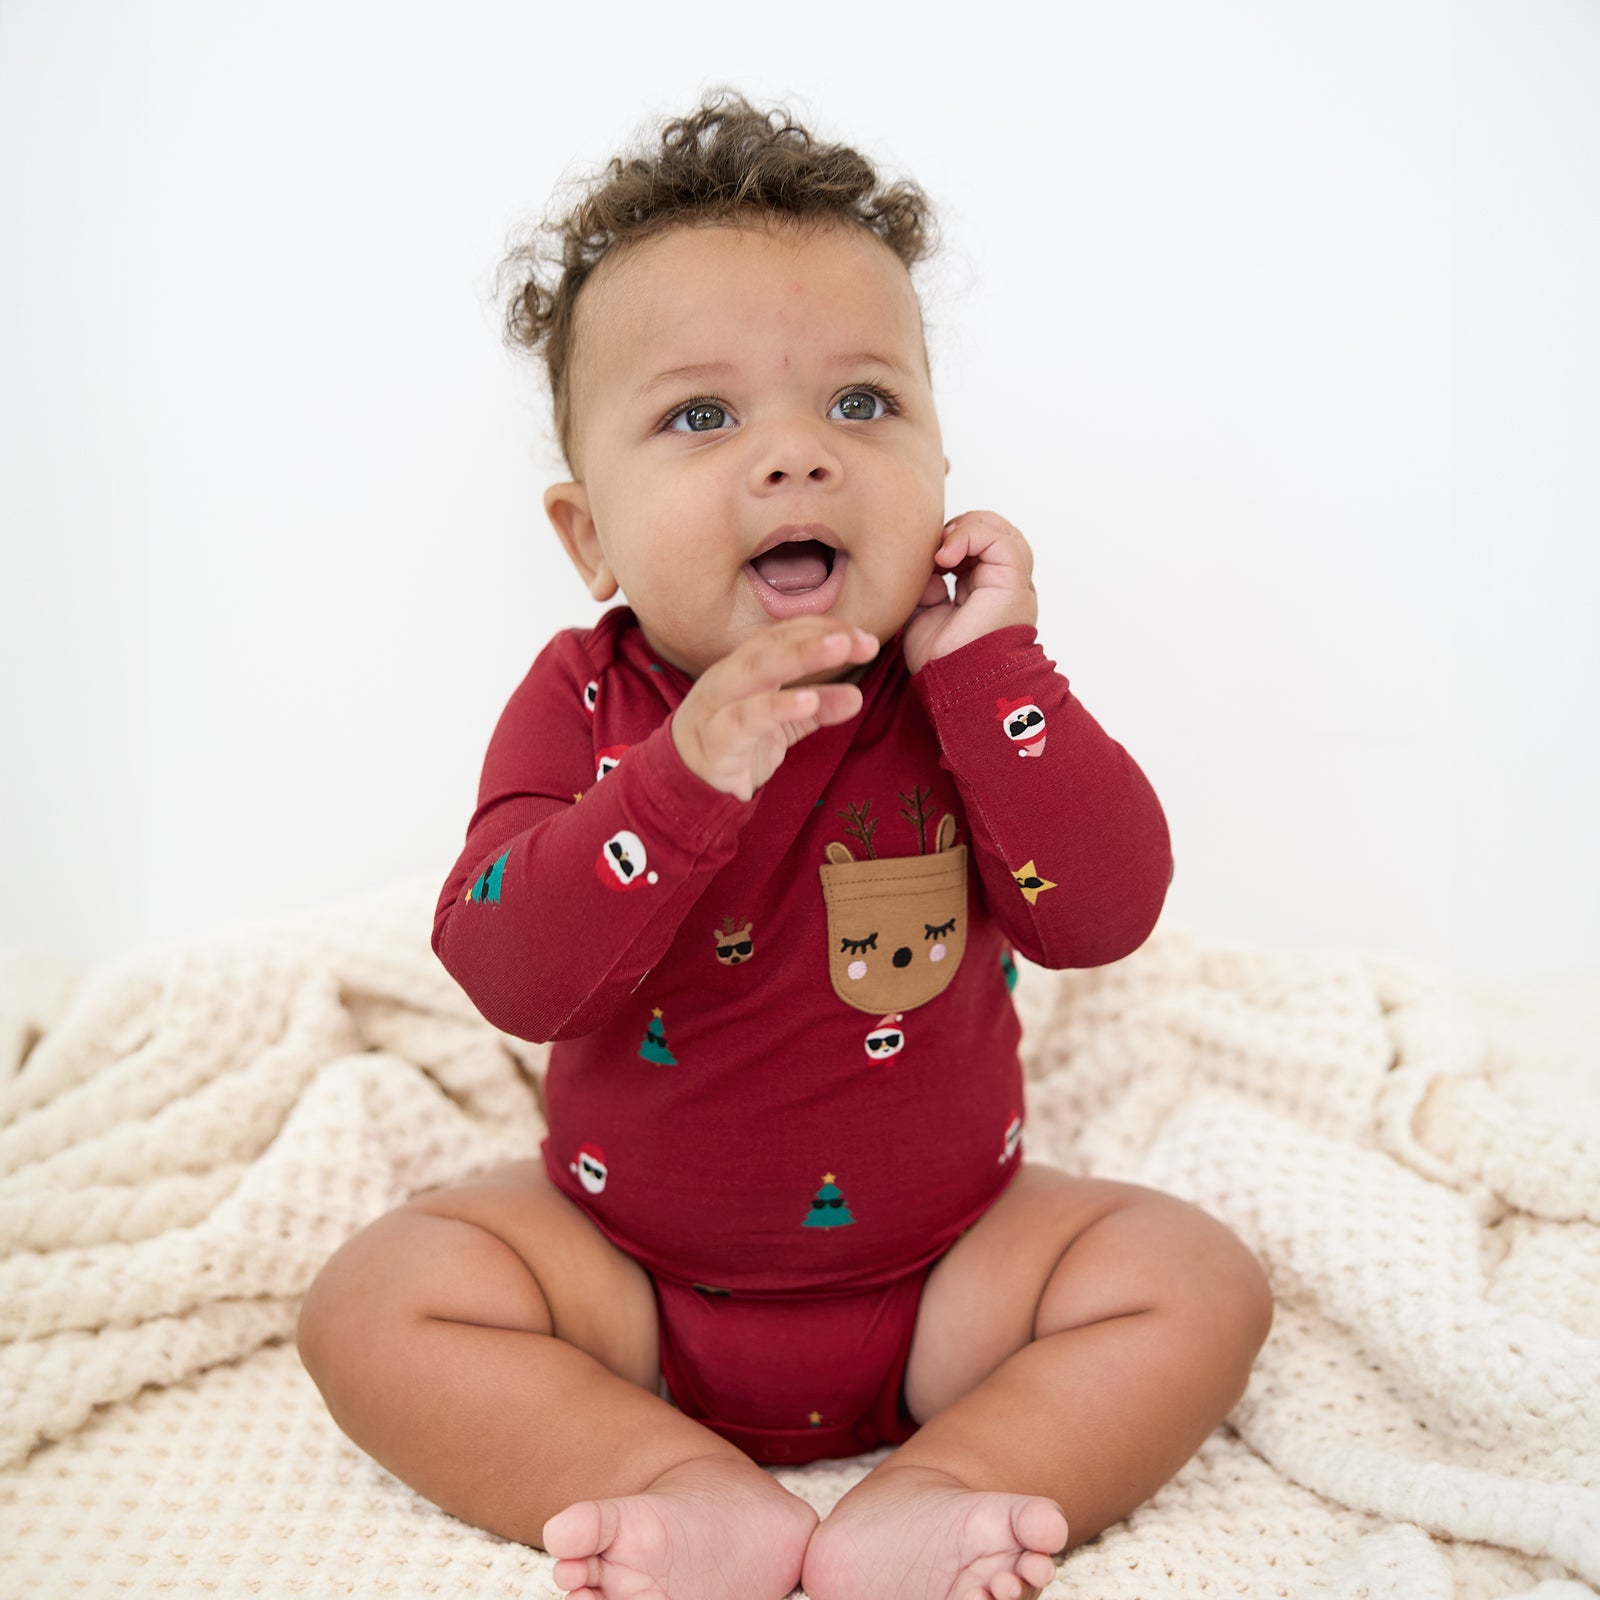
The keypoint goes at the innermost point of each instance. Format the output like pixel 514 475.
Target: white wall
pixel 1272 324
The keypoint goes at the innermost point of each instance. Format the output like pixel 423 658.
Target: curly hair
pixel 724 163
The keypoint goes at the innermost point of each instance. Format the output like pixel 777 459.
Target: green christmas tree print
pixel 654 1047
pixel 1008 966
pixel 828 1209
pixel 487 887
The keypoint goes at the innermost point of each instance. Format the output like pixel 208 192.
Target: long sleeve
pixel 558 905
pixel 1068 835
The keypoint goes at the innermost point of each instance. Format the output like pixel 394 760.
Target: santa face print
pixel 1023 722
pixel 622 862
pixel 887 1039
pixel 590 1167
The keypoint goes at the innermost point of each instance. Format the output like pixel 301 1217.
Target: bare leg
pixel 494 1351
pixel 1073 1350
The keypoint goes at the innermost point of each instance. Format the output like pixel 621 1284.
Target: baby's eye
pixel 855 947
pixel 700 416
pixel 931 932
pixel 862 405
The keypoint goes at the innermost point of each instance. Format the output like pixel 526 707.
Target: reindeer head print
pixel 897 927
pixel 734 944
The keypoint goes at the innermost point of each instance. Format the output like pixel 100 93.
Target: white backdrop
pixel 1273 325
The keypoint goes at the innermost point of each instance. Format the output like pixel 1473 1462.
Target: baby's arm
pixel 558 906
pixel 1068 835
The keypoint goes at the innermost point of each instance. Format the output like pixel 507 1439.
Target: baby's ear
pixel 567 506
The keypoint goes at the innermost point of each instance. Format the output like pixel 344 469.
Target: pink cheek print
pixel 856 970
pixel 937 953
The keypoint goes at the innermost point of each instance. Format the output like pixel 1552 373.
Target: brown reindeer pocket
pixel 897 928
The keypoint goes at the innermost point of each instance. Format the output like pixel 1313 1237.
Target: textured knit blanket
pixel 185 1136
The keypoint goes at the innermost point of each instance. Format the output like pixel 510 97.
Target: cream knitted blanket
pixel 185 1136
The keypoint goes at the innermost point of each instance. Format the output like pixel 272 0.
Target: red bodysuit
pixel 785 1072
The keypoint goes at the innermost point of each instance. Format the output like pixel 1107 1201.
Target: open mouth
pixel 795 568
pixel 798 578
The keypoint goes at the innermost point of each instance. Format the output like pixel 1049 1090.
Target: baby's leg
pixel 490 1347
pixel 1072 1350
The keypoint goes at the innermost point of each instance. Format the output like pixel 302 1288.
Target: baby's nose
pixel 817 474
pixel 796 452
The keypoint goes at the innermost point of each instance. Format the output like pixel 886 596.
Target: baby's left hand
pixel 993 568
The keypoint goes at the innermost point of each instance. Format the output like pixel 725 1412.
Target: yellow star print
pixel 815 1419
pixel 1030 883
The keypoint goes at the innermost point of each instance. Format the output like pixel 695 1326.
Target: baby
pixel 756 851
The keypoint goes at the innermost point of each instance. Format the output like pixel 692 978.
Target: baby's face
pixel 757 437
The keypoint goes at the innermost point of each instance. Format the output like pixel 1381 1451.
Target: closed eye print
pixel 931 932
pixel 854 947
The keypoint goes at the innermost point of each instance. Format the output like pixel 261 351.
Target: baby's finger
pixel 791 651
pixel 987 537
pixel 757 715
pixel 836 702
pixel 746 721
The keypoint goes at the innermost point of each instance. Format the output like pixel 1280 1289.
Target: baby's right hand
pixel 738 721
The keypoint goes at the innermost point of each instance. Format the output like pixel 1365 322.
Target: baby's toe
pixel 584 1529
pixel 1035 1569
pixel 577 1576
pixel 1039 1526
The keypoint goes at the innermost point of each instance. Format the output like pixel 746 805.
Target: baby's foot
pixel 711 1529
pixel 911 1534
